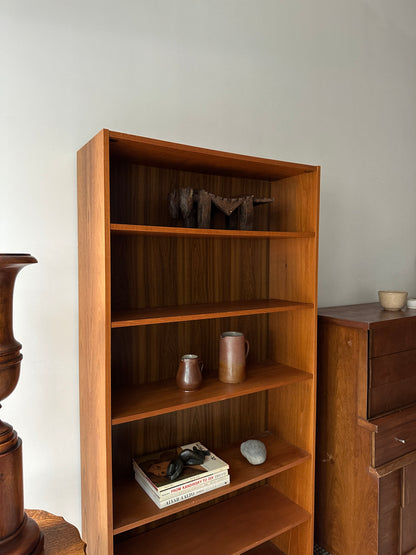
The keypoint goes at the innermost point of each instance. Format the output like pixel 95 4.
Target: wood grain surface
pixel 60 537
pixel 270 515
pixel 132 507
pixel 366 448
pixel 151 291
pixel 95 341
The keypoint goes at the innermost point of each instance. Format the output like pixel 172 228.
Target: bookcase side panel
pixel 298 540
pixel 292 341
pixel 94 344
pixel 292 270
pixel 297 202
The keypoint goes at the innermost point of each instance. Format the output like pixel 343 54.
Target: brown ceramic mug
pixel 189 374
pixel 233 353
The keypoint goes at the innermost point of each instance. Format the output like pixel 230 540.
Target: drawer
pixel 393 336
pixel 392 382
pixel 395 435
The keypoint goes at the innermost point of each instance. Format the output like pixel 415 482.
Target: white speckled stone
pixel 254 451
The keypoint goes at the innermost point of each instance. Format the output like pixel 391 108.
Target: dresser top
pixel 366 316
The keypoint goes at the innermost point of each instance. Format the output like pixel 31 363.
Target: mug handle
pixel 201 366
pixel 247 347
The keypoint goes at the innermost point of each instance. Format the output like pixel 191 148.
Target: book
pixel 153 467
pixel 182 488
pixel 166 501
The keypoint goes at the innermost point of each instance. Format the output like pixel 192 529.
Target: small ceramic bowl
pixel 392 300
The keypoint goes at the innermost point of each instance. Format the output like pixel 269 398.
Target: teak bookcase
pixel 150 292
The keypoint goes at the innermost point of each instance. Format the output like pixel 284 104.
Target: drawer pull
pixel 400 440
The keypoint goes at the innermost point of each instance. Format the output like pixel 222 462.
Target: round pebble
pixel 254 451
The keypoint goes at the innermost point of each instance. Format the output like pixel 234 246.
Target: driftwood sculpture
pixel 195 208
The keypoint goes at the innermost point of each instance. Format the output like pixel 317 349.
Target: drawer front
pixel 396 336
pixel 392 383
pixel 396 436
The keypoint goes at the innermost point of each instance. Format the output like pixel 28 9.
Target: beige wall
pixel 327 82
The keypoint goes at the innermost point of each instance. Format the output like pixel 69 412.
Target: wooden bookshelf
pixel 150 292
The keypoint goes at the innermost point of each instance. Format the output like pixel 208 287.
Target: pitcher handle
pixel 247 347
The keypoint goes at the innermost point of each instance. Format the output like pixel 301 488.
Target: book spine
pixel 194 493
pixel 162 503
pixel 188 486
pixel 169 489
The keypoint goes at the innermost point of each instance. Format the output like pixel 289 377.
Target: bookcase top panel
pixel 152 152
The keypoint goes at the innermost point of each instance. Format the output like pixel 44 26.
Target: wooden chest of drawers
pixel 366 431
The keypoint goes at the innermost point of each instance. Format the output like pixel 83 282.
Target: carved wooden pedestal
pixel 19 534
pixel 61 537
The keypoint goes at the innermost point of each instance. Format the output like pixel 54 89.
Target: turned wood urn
pixel 19 534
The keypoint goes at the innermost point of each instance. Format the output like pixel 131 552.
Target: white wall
pixel 327 82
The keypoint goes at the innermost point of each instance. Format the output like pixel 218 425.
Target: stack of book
pixel 151 473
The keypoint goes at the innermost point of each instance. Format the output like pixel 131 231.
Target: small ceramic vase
pixel 189 374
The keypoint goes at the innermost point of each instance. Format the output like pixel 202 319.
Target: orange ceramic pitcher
pixel 233 353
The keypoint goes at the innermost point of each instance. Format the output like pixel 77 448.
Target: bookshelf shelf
pixel 186 313
pixel 132 507
pixel 149 293
pixel 147 400
pixel 127 229
pixel 270 514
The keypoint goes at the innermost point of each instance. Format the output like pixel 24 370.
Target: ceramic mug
pixel 189 374
pixel 234 349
